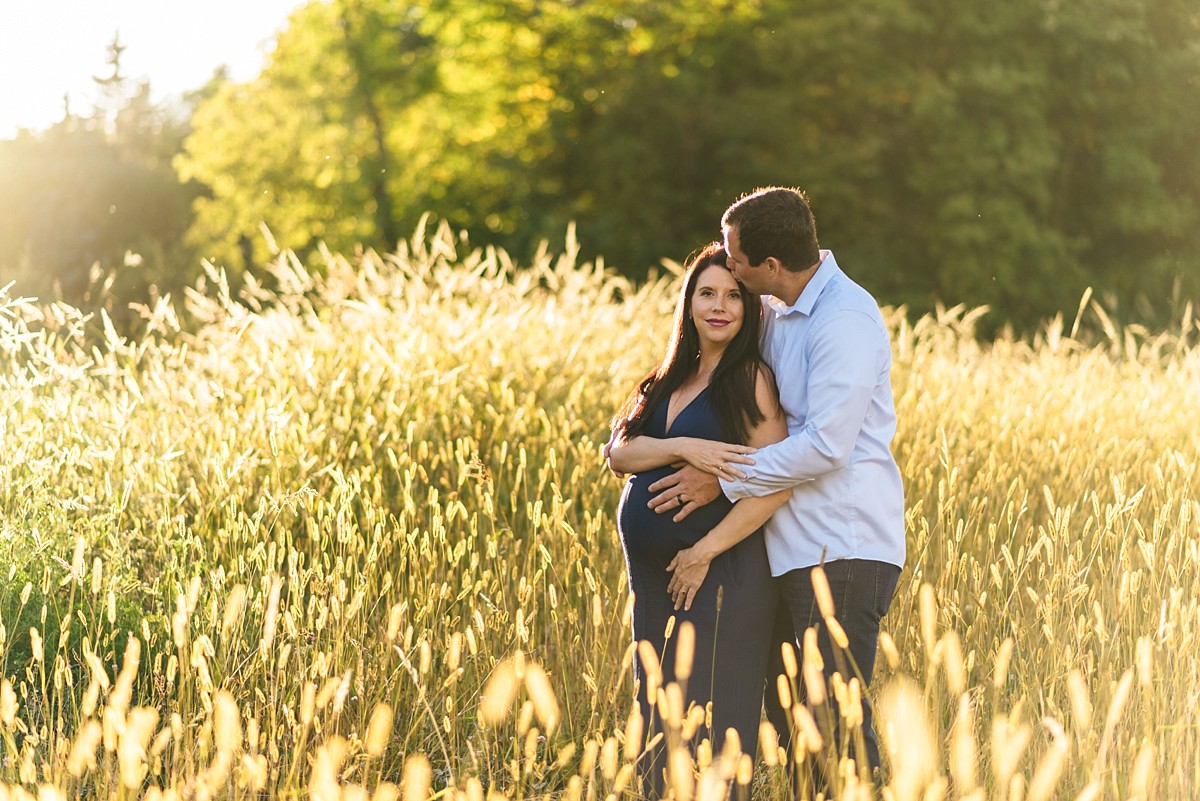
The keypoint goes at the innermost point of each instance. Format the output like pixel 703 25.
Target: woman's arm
pixel 646 453
pixel 690 566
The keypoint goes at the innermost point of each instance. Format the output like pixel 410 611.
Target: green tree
pixel 1005 155
pixel 80 196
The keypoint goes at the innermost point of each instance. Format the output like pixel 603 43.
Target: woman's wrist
pixel 705 550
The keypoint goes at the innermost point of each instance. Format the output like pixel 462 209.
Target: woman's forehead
pixel 716 276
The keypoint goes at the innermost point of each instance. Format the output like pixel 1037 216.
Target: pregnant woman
pixel 710 403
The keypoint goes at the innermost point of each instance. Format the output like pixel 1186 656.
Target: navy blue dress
pixel 733 611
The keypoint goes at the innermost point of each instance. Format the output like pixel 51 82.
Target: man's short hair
pixel 775 221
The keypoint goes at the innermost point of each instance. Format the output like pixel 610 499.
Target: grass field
pixel 285 550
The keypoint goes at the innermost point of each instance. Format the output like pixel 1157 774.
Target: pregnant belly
pixel 657 536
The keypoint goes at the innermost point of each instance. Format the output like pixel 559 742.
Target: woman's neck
pixel 709 359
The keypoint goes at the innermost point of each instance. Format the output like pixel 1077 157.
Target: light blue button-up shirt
pixel 832 362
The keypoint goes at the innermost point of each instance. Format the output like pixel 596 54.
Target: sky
pixel 49 48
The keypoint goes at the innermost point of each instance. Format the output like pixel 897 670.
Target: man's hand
pixel 684 491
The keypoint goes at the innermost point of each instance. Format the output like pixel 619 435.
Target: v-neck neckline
pixel 668 424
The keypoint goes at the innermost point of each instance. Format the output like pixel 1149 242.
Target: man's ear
pixel 773 265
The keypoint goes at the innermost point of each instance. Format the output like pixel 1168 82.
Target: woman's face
pixel 717 305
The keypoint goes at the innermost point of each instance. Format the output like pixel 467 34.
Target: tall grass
pixel 350 536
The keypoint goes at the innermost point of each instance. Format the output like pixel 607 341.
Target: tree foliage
pixel 1005 155
pixel 94 195
pixel 1010 155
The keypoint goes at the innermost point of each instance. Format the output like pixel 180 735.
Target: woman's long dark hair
pixel 731 388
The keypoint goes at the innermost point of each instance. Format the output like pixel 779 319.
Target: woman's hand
pixel 688 568
pixel 718 458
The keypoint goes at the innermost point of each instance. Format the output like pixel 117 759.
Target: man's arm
pixel 846 357
pixel 688 488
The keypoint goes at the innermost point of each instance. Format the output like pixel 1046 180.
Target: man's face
pixel 739 264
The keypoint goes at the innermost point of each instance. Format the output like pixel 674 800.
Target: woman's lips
pixel 717 323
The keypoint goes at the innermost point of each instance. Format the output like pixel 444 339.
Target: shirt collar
pixel 808 298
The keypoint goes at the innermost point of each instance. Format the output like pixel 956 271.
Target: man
pixel 826 340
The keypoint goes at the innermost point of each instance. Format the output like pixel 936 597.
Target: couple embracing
pixel 775 394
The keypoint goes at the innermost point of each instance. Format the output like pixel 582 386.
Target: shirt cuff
pixel 734 489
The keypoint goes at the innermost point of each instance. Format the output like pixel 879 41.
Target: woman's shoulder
pixel 766 391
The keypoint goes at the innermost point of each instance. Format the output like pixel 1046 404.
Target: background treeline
pixel 1002 154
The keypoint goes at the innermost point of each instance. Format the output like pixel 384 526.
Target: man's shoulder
pixel 844 296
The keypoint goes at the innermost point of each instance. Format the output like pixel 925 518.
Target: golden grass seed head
pixel 1120 697
pixel 908 737
pixel 1145 661
pixel 809 736
pixel 624 775
pixel 472 645
pixel 545 704
pixel 784 688
pixel 814 684
pixel 454 657
pixel 674 695
pixel 591 749
pixel 1010 738
pixel 308 703
pixel 1081 705
pixel 651 666
pixel 634 733
pixel 1049 770
pixel 695 718
pixel 565 754
pixel 379 730
pixel 788 652
pixel 496 702
pixel 48 792
pixel 685 647
pixel 853 711
pixel 1003 661
pixel 395 618
pixel 8 705
pixel 731 749
pixel 890 652
pixel 952 659
pixel 964 754
pixel 227 723
pixel 1141 780
pixel 530 750
pixel 704 755
pixel 252 774
pixel 609 758
pixel 83 751
pixel 928 615
pixel 820 586
pixel 131 748
pixel 812 653
pixel 160 742
pixel 682 779
pixel 77 559
pixel 768 738
pixel 234 605
pixel 323 782
pixel 837 633
pixel 426 658
pixel 525 717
